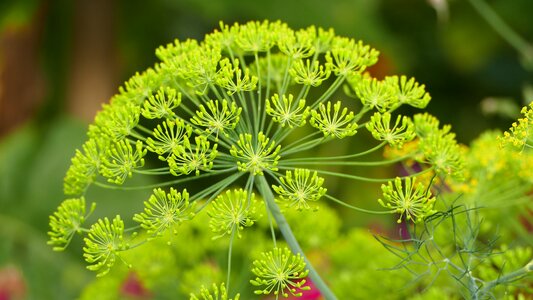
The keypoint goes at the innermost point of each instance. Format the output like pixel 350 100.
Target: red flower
pixel 133 287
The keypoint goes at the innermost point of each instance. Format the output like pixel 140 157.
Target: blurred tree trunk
pixel 92 79
pixel 92 67
pixel 21 79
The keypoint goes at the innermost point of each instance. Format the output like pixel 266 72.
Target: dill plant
pixel 478 240
pixel 245 107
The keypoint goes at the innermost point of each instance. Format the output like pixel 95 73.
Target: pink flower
pixel 133 287
pixel 12 285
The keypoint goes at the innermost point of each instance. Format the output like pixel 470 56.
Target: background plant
pixel 459 244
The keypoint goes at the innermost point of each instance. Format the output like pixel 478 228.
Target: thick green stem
pixel 266 192
pixel 506 278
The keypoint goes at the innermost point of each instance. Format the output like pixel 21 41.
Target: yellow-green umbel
pixel 245 107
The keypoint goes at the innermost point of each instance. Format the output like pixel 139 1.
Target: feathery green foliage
pixel 457 245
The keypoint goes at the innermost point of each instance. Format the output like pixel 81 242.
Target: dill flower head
pixel 216 293
pixel 67 221
pixel 281 273
pixel 245 107
pixel 411 200
pixel 519 135
pixel 103 244
pixel 232 212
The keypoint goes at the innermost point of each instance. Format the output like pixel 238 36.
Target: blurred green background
pixel 60 60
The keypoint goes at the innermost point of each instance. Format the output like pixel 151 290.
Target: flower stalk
pixel 268 196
